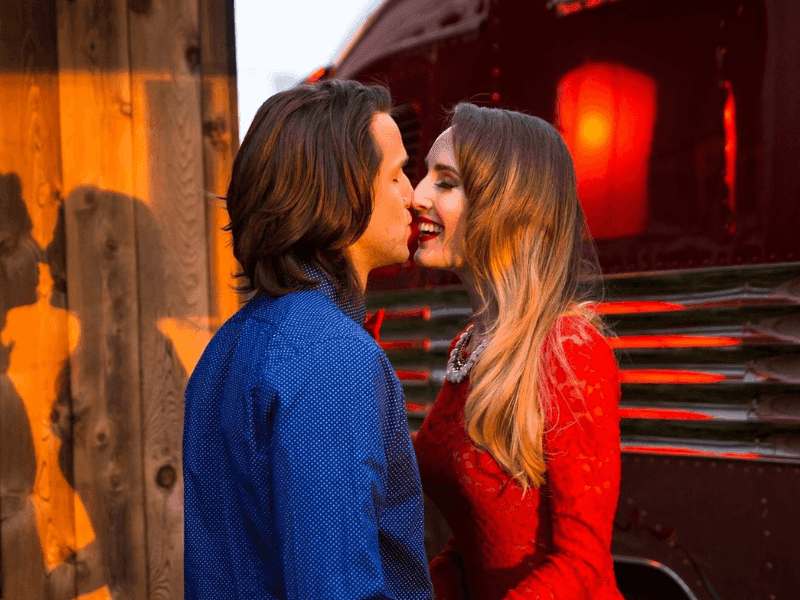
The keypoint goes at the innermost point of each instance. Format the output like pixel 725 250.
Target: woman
pixel 521 450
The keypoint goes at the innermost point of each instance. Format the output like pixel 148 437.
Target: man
pixel 300 478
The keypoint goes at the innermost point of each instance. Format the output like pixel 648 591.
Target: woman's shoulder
pixel 583 345
pixel 584 370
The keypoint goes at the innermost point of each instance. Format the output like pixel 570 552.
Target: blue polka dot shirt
pixel 300 477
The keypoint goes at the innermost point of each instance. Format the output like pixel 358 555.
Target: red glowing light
pixel 423 313
pixel 672 341
pixel 673 451
pixel 667 376
pixel 666 414
pixel 729 120
pixel 413 375
pixel 568 9
pixel 406 345
pixel 606 113
pixel 595 130
pixel 625 307
pixel 316 75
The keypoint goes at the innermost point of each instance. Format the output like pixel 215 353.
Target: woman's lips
pixel 428 229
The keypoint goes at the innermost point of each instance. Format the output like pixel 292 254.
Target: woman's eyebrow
pixel 445 168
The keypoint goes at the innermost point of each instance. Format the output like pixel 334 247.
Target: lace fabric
pixel 552 542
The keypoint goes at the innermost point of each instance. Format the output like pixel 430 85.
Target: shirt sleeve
pixel 448 575
pixel 329 476
pixel 582 450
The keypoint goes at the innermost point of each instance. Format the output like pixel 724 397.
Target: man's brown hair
pixel 301 191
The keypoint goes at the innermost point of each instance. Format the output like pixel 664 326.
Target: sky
pixel 279 42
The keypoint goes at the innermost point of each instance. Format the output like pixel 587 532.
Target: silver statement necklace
pixel 458 367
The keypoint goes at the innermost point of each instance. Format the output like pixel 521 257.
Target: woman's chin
pixel 431 261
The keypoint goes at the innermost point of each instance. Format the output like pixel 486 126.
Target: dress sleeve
pixel 329 477
pixel 582 450
pixel 447 573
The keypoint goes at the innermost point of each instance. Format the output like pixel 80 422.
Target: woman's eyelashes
pixel 445 185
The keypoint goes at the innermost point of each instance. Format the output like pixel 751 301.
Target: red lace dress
pixel 553 543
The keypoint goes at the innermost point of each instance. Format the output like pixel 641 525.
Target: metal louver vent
pixel 709 359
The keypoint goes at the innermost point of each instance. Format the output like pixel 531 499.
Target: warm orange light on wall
pixel 606 114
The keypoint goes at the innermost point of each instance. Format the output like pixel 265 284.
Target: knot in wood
pixel 140 6
pixel 193 59
pixel 110 247
pixel 166 476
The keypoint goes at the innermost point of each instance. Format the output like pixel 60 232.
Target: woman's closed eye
pixel 445 185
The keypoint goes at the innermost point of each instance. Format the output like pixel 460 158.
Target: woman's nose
pixel 421 199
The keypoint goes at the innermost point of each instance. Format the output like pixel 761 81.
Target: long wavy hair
pixel 528 248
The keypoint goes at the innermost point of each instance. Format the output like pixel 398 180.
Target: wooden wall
pixel 118 125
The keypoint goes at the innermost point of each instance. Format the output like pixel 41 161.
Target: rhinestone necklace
pixel 457 366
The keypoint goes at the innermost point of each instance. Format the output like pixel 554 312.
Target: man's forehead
pixel 388 137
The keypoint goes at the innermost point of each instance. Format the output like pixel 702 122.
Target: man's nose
pixel 408 194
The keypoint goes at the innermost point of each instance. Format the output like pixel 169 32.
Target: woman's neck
pixel 480 317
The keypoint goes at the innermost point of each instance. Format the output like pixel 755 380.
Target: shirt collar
pixel 353 308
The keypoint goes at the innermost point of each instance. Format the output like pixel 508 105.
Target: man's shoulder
pixel 308 323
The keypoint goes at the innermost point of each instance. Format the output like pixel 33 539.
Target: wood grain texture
pixel 220 143
pixel 35 499
pixel 102 288
pixel 173 264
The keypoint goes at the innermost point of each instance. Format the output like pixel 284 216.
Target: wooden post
pixel 118 123
pixel 173 259
pixel 35 500
pixel 102 287
pixel 220 143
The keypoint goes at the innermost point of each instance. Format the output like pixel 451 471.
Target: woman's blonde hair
pixel 525 244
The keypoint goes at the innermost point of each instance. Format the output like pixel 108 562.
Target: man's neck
pixel 360 266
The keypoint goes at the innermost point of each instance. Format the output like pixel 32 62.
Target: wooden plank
pixel 102 288
pixel 220 143
pixel 173 263
pixel 35 498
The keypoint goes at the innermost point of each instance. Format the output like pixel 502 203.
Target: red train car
pixel 684 124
